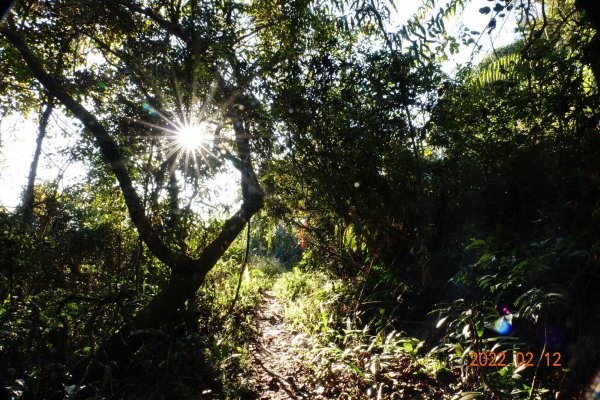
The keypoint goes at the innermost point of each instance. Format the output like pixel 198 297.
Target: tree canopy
pixel 434 216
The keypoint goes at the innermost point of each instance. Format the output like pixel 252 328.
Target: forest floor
pixel 278 372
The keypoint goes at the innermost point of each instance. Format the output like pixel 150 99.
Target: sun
pixel 193 137
pixel 189 137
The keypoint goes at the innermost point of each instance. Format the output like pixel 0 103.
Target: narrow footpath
pixel 278 373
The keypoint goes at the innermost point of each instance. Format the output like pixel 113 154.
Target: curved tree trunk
pixel 187 274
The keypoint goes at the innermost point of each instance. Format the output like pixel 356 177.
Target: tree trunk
pixel 120 347
pixel 28 196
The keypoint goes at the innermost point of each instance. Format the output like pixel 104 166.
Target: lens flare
pixel 149 109
pixel 593 391
pixel 190 137
pixel 194 131
pixel 503 325
pixel 193 137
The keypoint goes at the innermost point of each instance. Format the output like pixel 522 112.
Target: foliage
pixel 61 308
pixel 391 189
pixel 346 361
pixel 277 241
pixel 515 299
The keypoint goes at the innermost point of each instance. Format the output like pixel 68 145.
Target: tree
pixel 134 70
pixel 187 34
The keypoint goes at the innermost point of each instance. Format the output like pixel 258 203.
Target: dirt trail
pixel 278 374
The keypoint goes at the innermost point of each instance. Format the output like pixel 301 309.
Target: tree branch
pixel 107 145
pixel 171 27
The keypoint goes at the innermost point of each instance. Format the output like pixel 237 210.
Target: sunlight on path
pixel 278 374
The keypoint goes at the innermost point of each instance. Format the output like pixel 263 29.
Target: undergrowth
pixel 202 355
pixel 207 355
pixel 500 335
pixel 347 360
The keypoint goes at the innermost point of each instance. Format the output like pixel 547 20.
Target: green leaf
pixel 479 327
pixel 441 322
pixel 357 370
pixel 476 243
pixel 458 349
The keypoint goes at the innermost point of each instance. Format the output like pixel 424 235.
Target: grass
pixel 347 360
pixel 206 354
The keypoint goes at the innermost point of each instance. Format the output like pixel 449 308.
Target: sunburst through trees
pixel 192 137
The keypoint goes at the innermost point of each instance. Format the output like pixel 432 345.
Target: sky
pixel 18 133
pixel 471 20
pixel 17 144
